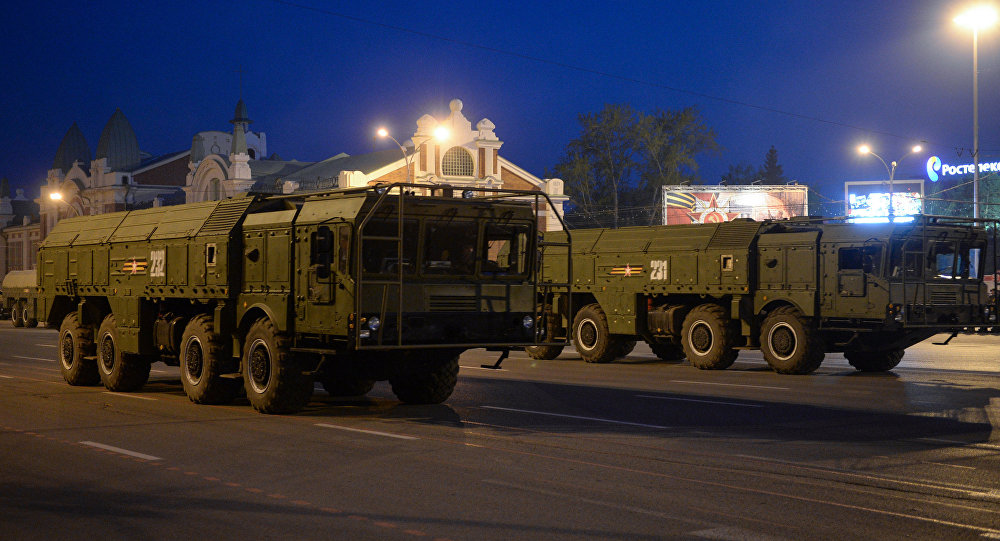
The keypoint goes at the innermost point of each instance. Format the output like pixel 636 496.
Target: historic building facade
pixel 222 164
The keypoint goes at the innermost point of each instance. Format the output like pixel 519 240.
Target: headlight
pixel 374 323
pixel 528 322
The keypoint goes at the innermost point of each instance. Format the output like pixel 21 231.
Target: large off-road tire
pixel 341 383
pixel 543 353
pixel 790 342
pixel 204 357
pixel 709 337
pixel 119 371
pixel 17 315
pixel 591 337
pixel 667 351
pixel 274 379
pixel 28 316
pixel 76 341
pixel 430 386
pixel 874 361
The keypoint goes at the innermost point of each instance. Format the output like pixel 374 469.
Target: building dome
pixel 118 143
pixel 73 148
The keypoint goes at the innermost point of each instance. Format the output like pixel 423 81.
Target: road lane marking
pixel 6 377
pixel 598 419
pixel 703 401
pixel 128 395
pixel 950 465
pixel 372 432
pixel 34 358
pixel 962 443
pixel 728 384
pixel 46 345
pixel 119 450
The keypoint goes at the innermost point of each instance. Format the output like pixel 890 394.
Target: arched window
pixel 457 162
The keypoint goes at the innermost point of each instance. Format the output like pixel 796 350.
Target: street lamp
pixel 58 197
pixel 976 18
pixel 440 133
pixel 865 149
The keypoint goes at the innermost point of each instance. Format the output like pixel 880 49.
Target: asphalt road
pixel 637 449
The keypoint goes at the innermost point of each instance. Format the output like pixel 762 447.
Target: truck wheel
pixel 204 358
pixel 119 371
pixel 543 353
pixel 76 342
pixel 17 315
pixel 591 336
pixel 273 378
pixel 708 338
pixel 431 386
pixel 790 342
pixel 874 361
pixel 667 351
pixel 28 317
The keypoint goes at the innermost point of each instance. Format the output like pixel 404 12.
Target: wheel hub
pixel 701 337
pixel 108 353
pixel 782 341
pixel 193 360
pixel 260 367
pixel 66 350
pixel 588 334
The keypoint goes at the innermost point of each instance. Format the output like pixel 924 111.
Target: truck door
pixel 858 267
pixel 321 266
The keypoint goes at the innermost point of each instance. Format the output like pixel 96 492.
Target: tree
pixel 771 172
pixel 743 173
pixel 599 164
pixel 622 157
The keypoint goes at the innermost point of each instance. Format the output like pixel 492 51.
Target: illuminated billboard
pixel 868 201
pixel 708 204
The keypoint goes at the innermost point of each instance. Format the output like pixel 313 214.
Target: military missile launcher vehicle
pixel 264 294
pixel 19 293
pixel 795 289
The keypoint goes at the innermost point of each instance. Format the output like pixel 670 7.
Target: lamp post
pixel 976 18
pixel 865 149
pixel 58 197
pixel 440 133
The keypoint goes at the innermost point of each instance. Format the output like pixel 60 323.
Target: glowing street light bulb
pixel 55 196
pixel 382 132
pixel 977 17
pixel 441 133
pixel 864 149
pixel 916 149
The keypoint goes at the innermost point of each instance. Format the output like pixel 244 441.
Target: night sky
pixel 814 79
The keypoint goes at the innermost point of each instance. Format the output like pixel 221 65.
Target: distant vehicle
pixel 19 293
pixel 795 289
pixel 266 293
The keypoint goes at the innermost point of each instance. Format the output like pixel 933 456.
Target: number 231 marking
pixel 658 270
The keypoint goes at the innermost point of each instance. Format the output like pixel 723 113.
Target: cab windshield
pixel 433 247
pixel 942 260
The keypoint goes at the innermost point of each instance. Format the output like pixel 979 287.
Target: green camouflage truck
pixel 19 294
pixel 264 294
pixel 793 289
